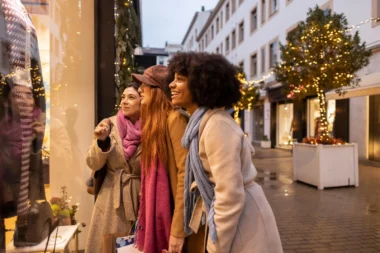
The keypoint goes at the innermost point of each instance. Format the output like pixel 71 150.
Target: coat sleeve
pixel 223 148
pixel 96 158
pixel 177 125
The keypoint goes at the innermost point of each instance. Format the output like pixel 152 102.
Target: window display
pixel 42 149
pixel 284 128
pixel 314 114
pixel 22 119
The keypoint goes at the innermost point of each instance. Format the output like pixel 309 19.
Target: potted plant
pixel 62 211
pixel 322 55
pixel 265 142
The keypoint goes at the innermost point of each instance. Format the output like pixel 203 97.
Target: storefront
pixel 313 115
pixel 258 123
pixel 374 128
pixel 284 125
pixel 65 34
pixel 78 73
pixel 282 118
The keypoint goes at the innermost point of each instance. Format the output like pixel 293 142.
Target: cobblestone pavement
pixel 310 220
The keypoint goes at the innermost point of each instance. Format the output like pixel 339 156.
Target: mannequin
pixel 22 110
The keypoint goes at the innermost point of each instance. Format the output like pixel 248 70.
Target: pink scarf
pixel 130 134
pixel 155 215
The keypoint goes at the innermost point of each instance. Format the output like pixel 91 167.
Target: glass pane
pixel 314 115
pixel 46 113
pixel 285 119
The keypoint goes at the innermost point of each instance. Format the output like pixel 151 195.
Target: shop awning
pixel 369 85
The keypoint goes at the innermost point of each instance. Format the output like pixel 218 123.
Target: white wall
pixel 191 44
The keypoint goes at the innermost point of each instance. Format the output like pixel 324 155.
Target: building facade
pixel 149 56
pixel 189 42
pixel 248 34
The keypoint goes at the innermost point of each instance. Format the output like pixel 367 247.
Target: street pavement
pixel 310 220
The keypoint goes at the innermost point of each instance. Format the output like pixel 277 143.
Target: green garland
pixel 128 36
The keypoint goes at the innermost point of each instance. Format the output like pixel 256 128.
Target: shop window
pixel 284 126
pixel 42 156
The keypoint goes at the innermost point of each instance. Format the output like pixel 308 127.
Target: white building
pixel 248 33
pixel 189 42
pixel 149 56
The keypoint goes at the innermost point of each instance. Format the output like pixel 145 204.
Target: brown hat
pixel 155 76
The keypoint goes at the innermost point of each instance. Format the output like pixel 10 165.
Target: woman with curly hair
pixel 219 171
pixel 161 219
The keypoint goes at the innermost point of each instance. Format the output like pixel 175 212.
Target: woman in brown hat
pixel 161 219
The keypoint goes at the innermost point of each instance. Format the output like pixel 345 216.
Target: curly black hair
pixel 212 79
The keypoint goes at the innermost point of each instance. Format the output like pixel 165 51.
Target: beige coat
pixel 116 207
pixel 244 220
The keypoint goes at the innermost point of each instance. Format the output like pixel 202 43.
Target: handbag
pixel 34 226
pixel 95 182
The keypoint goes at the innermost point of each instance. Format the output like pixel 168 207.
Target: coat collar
pixel 205 119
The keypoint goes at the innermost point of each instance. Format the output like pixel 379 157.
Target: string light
pixel 305 69
pixel 249 95
pixel 351 27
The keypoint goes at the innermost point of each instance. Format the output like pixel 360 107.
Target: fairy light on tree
pixel 127 36
pixel 320 55
pixel 249 96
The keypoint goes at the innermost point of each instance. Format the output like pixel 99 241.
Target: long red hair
pixel 154 123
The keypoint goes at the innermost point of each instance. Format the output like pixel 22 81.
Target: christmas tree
pixel 321 55
pixel 128 36
pixel 249 95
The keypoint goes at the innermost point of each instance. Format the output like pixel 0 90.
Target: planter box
pixel 265 144
pixel 326 165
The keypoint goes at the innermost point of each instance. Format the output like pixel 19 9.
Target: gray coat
pixel 116 207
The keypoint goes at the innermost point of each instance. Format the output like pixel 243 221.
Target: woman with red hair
pixel 161 216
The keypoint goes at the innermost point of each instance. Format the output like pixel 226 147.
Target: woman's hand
pixel 175 244
pixel 103 130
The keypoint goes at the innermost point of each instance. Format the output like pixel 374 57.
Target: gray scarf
pixel 196 172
